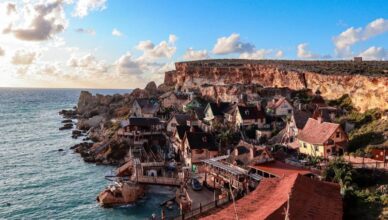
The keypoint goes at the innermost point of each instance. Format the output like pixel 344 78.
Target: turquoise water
pixel 39 182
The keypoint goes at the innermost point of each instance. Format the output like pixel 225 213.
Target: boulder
pixel 151 88
pixel 66 126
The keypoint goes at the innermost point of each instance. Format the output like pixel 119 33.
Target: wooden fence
pixel 203 209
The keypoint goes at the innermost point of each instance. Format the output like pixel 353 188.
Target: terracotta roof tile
pixel 279 169
pixel 317 133
pixel 308 199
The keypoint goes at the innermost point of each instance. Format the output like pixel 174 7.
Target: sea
pixel 37 181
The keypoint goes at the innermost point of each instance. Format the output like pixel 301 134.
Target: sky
pixel 127 43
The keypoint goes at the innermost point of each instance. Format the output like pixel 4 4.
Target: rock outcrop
pixel 366 82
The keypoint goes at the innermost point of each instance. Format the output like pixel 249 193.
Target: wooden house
pixel 322 139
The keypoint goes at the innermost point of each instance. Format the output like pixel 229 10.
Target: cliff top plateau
pixel 337 67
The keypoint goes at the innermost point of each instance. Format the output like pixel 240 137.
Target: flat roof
pixel 279 169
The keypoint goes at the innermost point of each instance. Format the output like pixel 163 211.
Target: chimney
pixel 319 119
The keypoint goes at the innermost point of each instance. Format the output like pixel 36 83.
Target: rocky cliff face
pixel 366 82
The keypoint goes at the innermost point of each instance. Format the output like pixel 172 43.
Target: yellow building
pixel 322 139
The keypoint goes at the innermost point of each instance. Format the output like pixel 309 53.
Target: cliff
pixel 366 82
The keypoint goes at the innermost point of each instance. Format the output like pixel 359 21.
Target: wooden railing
pixel 194 213
pixel 158 180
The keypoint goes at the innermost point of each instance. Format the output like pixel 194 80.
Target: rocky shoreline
pixel 94 119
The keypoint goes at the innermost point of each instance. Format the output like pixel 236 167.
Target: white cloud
pixel 10 8
pixel 37 22
pixel 83 7
pixel 2 51
pixel 86 31
pixel 257 54
pixel 191 54
pixel 126 65
pixel 279 54
pixel 172 39
pixel 116 33
pixel 374 53
pixel 351 36
pixel 303 52
pixel 22 57
pixel 89 63
pixel 232 44
pixel 162 50
pixel 145 45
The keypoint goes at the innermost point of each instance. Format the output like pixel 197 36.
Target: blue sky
pixel 152 35
pixel 198 24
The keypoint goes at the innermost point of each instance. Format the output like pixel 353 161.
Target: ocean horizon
pixel 40 182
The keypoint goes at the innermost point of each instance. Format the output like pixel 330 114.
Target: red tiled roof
pixel 280 169
pixel 317 133
pixel 307 198
pixel 277 103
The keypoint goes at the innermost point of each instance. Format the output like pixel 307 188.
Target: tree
pixel 340 171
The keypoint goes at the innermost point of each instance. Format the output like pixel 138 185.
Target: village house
pixel 296 123
pixel 145 107
pixel 175 120
pixel 322 139
pixel 279 106
pixel 215 112
pixel 245 153
pixel 196 102
pixel 327 113
pixel 140 130
pixel 198 146
pixel 287 197
pixel 379 153
pixel 178 136
pixel 174 100
pixel 249 116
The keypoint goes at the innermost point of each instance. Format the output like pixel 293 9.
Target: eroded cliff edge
pixel 366 82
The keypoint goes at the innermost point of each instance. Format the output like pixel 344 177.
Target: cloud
pixel 172 38
pixel 83 7
pixel 374 53
pixel 257 54
pixel 279 54
pixel 2 51
pixel 303 52
pixel 116 33
pixel 42 21
pixel 232 44
pixel 10 8
pixel 162 50
pixel 351 36
pixel 191 54
pixel 89 63
pixel 22 57
pixel 126 65
pixel 85 31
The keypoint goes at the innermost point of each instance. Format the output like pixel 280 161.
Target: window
pixel 304 145
pixel 173 125
pixel 338 134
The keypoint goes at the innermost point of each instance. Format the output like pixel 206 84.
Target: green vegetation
pixel 302 95
pixel 363 197
pixel 344 102
pixel 369 127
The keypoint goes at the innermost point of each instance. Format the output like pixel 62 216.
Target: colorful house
pixel 249 115
pixel 174 100
pixel 245 153
pixel 198 146
pixel 280 106
pixel 322 139
pixel 145 107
